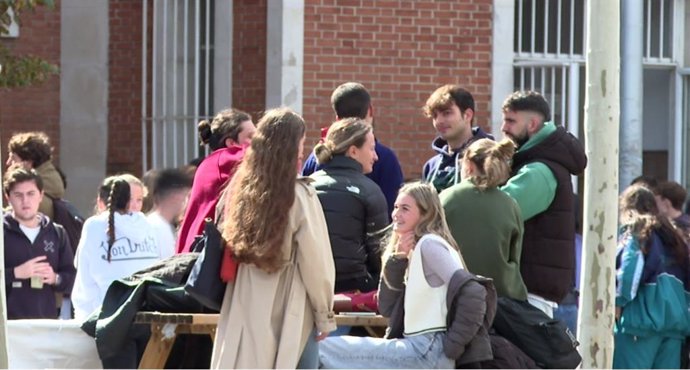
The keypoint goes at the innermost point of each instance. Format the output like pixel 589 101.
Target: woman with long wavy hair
pixel 652 286
pixel 282 296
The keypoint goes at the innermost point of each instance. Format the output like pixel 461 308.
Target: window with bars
pixel 552 29
pixel 177 80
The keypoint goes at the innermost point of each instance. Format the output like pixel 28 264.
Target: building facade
pixel 138 75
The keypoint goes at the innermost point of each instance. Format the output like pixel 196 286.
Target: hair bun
pixel 204 129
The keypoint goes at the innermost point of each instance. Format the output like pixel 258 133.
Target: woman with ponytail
pixel 355 207
pixel 484 221
pixel 113 244
pixel 227 135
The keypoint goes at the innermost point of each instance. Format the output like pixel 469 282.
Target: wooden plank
pixel 212 319
pixel 157 349
pixel 176 318
pixel 356 320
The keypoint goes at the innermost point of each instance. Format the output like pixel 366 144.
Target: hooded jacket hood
pixel 441 170
pixel 560 147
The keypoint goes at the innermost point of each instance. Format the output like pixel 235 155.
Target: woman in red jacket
pixel 227 135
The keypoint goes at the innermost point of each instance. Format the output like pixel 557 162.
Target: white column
pixel 285 54
pixel 83 98
pixel 631 91
pixel 502 59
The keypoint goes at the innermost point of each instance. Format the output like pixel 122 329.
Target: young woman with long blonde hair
pixel 419 262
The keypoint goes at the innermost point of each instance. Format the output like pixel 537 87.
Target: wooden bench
pixel 166 326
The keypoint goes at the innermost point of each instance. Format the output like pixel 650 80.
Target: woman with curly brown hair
pixel 652 286
pixel 274 224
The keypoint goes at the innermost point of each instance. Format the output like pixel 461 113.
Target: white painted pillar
pixel 285 54
pixel 502 59
pixel 631 91
pixel 83 98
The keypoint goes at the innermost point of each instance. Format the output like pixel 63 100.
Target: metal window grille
pixel 561 85
pixel 550 29
pixel 658 32
pixel 177 79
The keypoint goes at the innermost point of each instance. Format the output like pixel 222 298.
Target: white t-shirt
pixel 135 248
pixel 30 232
pixel 164 233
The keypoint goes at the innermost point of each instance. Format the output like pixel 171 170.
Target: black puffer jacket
pixel 356 214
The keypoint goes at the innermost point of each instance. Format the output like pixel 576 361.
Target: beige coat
pixel 53 187
pixel 266 318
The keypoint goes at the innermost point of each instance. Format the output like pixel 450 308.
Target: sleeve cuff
pixel 325 321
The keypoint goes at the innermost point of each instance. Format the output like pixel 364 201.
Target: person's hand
pixel 33 267
pixel 619 311
pixel 405 244
pixel 321 336
pixel 48 276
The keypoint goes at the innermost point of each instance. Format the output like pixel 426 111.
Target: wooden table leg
pixel 157 349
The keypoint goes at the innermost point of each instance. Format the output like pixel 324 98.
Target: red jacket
pixel 209 180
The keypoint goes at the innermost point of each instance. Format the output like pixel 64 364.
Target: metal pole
pixel 631 91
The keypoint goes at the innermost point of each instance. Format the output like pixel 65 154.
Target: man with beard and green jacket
pixel 547 155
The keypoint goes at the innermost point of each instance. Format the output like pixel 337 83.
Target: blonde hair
pixel 341 136
pixel 432 218
pixel 133 180
pixel 492 161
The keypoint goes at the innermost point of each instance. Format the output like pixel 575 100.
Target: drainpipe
pixel 630 135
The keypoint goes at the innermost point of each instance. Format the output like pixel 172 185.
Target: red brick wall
pixel 124 93
pixel 35 108
pixel 249 56
pixel 401 51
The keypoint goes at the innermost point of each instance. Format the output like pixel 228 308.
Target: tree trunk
pixel 4 360
pixel 602 114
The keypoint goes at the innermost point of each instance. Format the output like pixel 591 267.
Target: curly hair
pixel 31 146
pixel 263 191
pixel 640 217
pixel 445 96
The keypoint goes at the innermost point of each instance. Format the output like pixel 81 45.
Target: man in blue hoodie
pixel 452 110
pixel 38 258
pixel 352 99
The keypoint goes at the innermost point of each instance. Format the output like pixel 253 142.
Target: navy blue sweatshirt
pixel 24 302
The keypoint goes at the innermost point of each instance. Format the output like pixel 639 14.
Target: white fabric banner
pixel 41 344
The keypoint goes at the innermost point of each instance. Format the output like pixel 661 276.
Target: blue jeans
pixel 417 352
pixel 568 314
pixel 310 355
